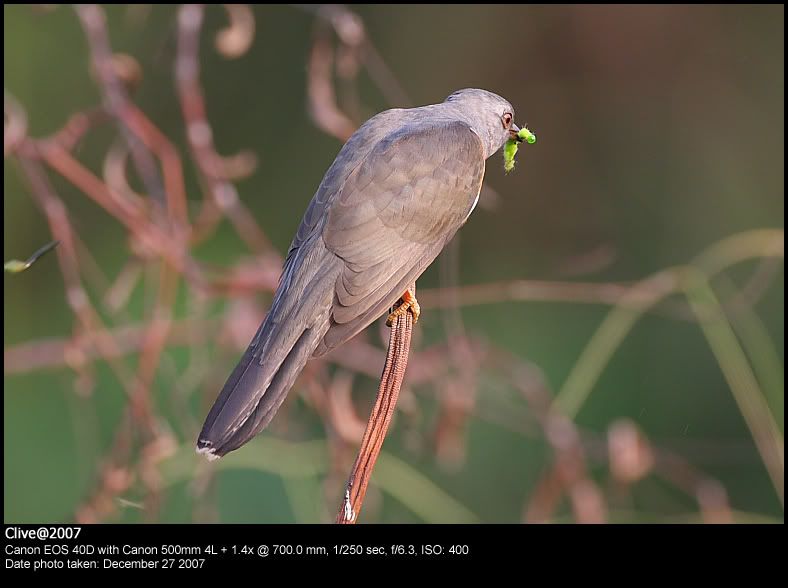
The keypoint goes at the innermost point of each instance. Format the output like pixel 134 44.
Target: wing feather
pixel 394 214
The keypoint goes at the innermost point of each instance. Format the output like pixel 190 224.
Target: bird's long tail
pixel 259 384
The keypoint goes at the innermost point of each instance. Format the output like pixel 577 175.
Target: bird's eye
pixel 506 119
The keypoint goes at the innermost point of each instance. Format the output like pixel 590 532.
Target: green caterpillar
pixel 510 149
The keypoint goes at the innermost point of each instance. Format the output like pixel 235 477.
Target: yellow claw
pixel 408 303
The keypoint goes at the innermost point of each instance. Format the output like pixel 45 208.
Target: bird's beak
pixel 513 130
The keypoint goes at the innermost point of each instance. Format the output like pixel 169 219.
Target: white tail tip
pixel 204 448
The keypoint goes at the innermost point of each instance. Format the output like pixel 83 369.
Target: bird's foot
pixel 407 303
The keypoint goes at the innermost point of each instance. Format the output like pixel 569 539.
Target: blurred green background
pixel 661 132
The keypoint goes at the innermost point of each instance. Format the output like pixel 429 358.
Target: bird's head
pixel 490 116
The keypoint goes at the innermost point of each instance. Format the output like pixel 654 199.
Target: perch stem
pixel 379 420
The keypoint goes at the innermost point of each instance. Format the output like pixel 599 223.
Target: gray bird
pixel 396 194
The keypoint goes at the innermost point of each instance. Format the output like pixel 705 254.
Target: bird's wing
pixel 394 214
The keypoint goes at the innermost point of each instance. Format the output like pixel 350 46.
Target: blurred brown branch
pixel 215 171
pixel 117 104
